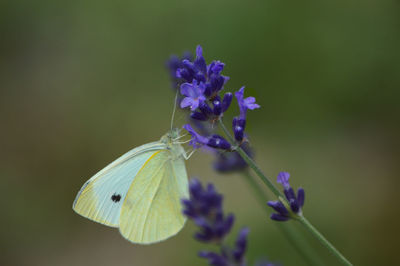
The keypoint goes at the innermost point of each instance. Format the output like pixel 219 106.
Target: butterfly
pixel 140 193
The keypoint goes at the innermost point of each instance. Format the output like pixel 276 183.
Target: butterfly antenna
pixel 173 112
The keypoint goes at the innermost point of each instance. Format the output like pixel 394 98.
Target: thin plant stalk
pixel 292 236
pixel 278 194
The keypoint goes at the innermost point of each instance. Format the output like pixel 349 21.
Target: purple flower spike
pixel 214 259
pixel 205 208
pixel 241 246
pixel 295 203
pixel 194 93
pixel 200 82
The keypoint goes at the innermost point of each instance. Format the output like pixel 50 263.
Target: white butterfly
pixel 140 192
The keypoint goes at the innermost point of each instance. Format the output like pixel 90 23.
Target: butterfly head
pixel 171 136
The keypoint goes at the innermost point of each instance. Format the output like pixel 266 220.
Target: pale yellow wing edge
pixel 152 209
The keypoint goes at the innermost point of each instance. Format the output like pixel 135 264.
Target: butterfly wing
pixel 151 211
pixel 101 197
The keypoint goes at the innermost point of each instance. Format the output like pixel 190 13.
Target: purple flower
pixel 218 107
pixel 245 103
pixel 241 246
pixel 197 140
pixel 194 93
pixel 265 262
pixel 238 126
pixel 173 64
pixel 218 142
pixel 226 102
pixel 295 202
pixel 215 259
pixel 198 70
pixel 200 62
pixel 200 89
pixel 205 208
pixel 239 123
pixel 215 67
pixel 213 141
pixel 283 178
pixel 227 162
pixel 229 257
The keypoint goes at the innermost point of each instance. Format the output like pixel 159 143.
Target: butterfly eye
pixel 116 198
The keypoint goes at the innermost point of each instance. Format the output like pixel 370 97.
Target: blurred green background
pixel 82 82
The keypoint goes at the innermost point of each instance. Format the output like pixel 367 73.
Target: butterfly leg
pixel 187 156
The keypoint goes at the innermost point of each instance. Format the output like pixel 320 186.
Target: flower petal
pixel 283 178
pixel 186 102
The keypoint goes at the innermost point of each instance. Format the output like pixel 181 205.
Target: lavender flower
pixel 198 70
pixel 245 103
pixel 265 263
pixel 229 257
pixel 239 123
pixel 194 93
pixel 205 208
pixel 226 162
pixel 175 63
pixel 213 141
pixel 295 203
pixel 201 91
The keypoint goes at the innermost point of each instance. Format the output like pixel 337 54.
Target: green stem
pixel 251 163
pixel 323 240
pixel 292 236
pixel 277 193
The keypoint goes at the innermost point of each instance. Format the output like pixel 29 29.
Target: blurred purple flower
pixel 229 257
pixel 265 262
pixel 173 64
pixel 205 208
pixel 227 162
pixel 283 178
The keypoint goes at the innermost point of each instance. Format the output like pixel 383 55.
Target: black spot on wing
pixel 116 197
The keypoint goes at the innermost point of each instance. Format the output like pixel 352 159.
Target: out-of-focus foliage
pixel 82 82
